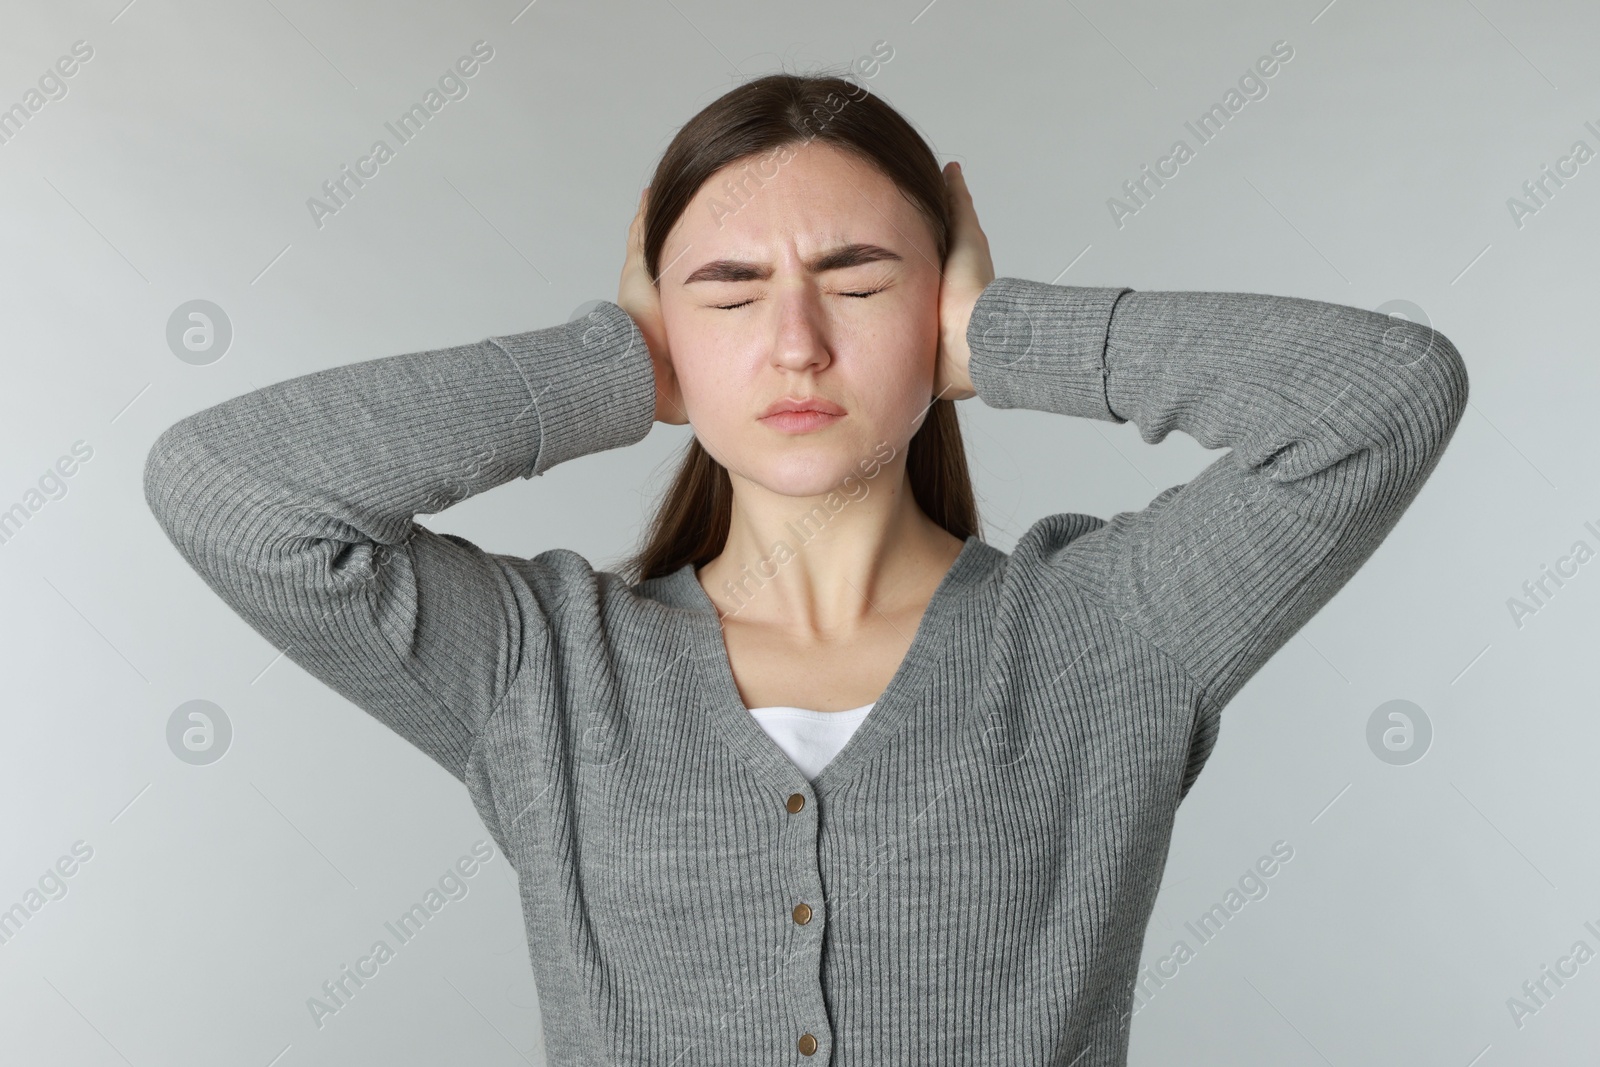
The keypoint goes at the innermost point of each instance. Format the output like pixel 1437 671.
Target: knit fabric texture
pixel 970 879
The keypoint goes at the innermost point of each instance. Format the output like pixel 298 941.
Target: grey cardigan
pixel 970 879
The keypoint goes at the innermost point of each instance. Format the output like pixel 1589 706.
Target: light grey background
pixel 1378 167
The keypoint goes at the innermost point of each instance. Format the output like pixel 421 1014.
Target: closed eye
pixel 861 295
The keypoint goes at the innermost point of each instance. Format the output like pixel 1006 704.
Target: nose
pixel 802 340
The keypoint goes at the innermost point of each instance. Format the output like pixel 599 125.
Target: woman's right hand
pixel 638 296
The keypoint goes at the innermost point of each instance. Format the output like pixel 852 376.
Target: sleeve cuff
pixel 1042 347
pixel 591 384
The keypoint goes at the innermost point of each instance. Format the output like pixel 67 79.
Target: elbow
pixel 221 512
pixel 1447 387
pixel 196 499
pixel 1450 377
pixel 158 470
pixel 170 478
pixel 1427 387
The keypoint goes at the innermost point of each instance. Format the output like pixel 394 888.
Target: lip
pixel 796 404
pixel 801 414
pixel 799 421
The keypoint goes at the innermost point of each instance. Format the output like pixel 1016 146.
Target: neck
pixel 828 564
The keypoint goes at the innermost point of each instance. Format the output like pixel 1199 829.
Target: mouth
pixel 801 415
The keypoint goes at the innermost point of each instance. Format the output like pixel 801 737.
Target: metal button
pixel 808 1044
pixel 796 802
pixel 802 914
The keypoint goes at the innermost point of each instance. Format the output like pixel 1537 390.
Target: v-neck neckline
pixel 745 734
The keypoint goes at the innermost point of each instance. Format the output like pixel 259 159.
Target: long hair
pixel 757 118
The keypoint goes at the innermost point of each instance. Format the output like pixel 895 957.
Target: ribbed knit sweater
pixel 970 879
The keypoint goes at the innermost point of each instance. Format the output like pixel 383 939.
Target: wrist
pixel 958 355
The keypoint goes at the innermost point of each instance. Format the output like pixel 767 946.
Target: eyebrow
pixel 738 270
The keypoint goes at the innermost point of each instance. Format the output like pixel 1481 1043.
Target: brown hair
pixel 760 117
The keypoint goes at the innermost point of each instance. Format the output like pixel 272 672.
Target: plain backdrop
pixel 175 164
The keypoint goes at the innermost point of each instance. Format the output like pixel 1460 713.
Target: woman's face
pixel 761 299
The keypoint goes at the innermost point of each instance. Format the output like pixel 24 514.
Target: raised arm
pixel 1333 417
pixel 296 504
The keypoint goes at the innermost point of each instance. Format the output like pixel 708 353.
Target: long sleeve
pixel 1333 417
pixel 296 503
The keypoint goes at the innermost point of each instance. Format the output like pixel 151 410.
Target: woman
pixel 966 877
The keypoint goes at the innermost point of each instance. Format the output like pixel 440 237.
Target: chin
pixel 806 469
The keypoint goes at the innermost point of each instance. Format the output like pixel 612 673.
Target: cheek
pixel 706 378
pixel 711 384
pixel 900 381
pixel 692 351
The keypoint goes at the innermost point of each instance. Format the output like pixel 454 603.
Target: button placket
pixel 804 895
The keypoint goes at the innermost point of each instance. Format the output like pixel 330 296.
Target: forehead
pixel 791 204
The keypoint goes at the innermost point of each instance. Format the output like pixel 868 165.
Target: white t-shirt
pixel 810 738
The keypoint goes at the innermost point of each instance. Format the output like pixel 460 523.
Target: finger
pixel 964 223
pixel 963 191
pixel 636 227
pixel 961 207
pixel 956 180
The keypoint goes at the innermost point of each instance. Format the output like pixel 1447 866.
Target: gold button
pixel 802 914
pixel 808 1044
pixel 796 802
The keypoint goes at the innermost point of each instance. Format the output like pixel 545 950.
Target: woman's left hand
pixel 968 270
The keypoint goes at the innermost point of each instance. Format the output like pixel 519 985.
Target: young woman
pixel 711 871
